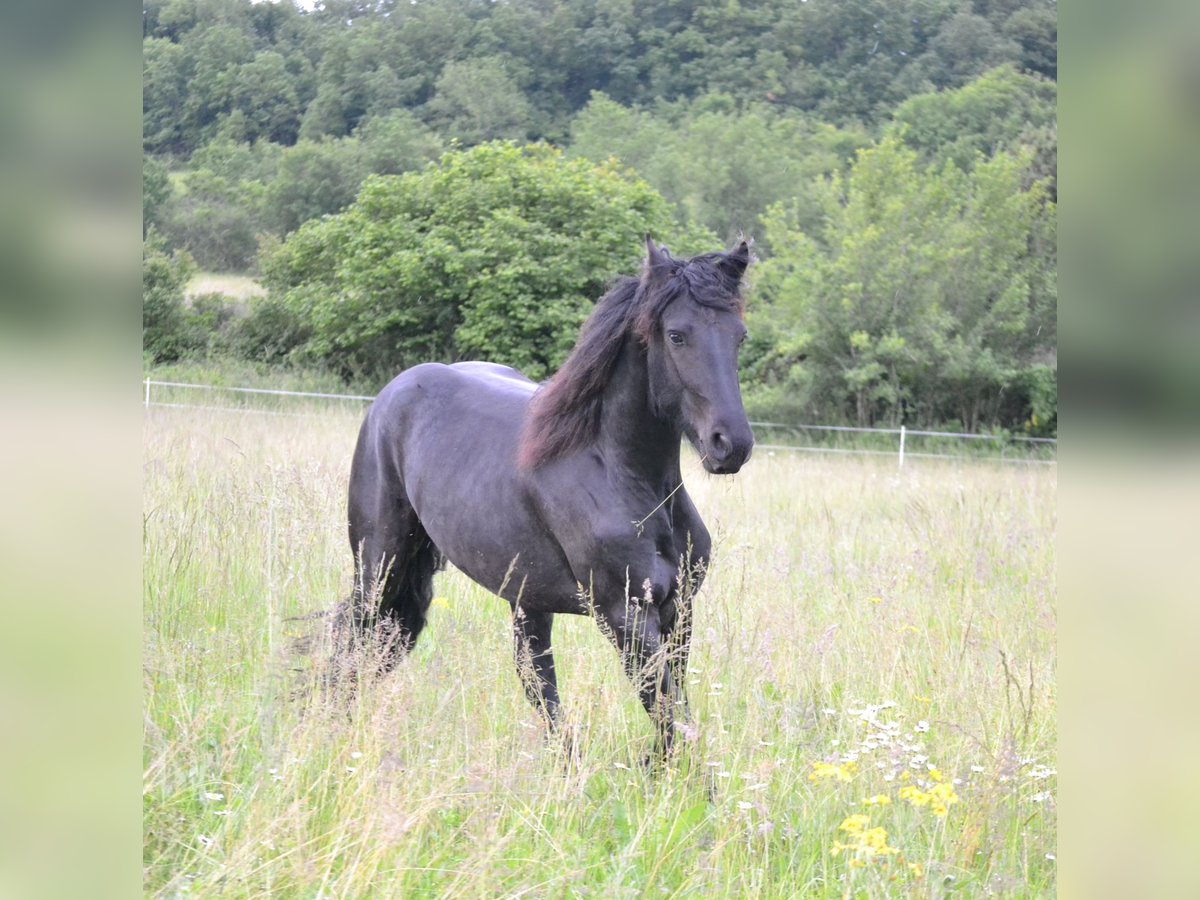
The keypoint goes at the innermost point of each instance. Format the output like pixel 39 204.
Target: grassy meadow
pixel 873 680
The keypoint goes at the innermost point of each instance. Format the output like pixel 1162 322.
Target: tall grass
pixel 865 634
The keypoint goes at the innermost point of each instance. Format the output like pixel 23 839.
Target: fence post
pixel 147 393
pixel 901 447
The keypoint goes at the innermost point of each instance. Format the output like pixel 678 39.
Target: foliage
pixel 269 332
pixel 479 100
pixel 922 299
pixel 314 180
pixel 164 278
pixel 215 221
pixel 156 193
pixel 496 253
pixel 720 166
pixel 1001 110
pixel 276 115
pixel 479 71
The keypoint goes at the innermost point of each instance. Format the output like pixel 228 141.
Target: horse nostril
pixel 721 446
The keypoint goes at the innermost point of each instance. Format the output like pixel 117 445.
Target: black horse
pixel 564 498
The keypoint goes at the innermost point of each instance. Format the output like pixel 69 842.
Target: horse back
pixel 442 440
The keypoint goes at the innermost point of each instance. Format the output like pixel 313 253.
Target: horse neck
pixel 631 433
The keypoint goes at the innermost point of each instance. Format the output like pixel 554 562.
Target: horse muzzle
pixel 727 449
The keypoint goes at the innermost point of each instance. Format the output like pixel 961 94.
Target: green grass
pixel 843 592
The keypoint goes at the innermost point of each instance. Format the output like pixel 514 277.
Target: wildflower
pixel 843 772
pixel 878 800
pixel 441 602
pixel 854 824
pixel 868 842
pixel 875 840
pixel 213 795
pixel 742 804
pixel 356 755
pixel 921 699
pixel 916 870
pixel 875 600
pixel 922 726
pixel 914 795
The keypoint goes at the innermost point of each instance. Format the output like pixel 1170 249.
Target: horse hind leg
pixel 404 604
pixel 394 565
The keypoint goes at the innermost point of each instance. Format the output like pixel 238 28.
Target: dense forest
pixel 452 179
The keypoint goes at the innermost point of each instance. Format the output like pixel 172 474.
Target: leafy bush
pixel 496 253
pixel 164 278
pixel 268 333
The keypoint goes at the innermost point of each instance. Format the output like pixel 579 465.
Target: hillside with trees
pixel 453 179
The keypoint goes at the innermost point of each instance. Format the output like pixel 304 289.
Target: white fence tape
pixel 903 433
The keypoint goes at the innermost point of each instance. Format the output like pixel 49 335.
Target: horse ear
pixel 736 260
pixel 657 259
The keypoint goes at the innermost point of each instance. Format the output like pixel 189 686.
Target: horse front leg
pixel 535 662
pixel 679 639
pixel 636 629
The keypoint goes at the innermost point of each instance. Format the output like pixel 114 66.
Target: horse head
pixel 690 320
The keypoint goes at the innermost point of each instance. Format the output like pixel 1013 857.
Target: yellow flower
pixel 440 602
pixel 855 824
pixel 876 839
pixel 919 698
pixel 916 869
pixel 878 800
pixel 843 772
pixel 874 599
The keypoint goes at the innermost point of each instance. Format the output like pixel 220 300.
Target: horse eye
pixel 675 337
pixel 745 334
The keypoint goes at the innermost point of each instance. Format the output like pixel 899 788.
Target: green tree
pixel 966 46
pixel 922 297
pixel 262 89
pixel 164 278
pixel 495 253
pixel 156 193
pixel 999 110
pixel 215 219
pixel 721 166
pixel 164 94
pixel 396 143
pixel 314 179
pixel 480 100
